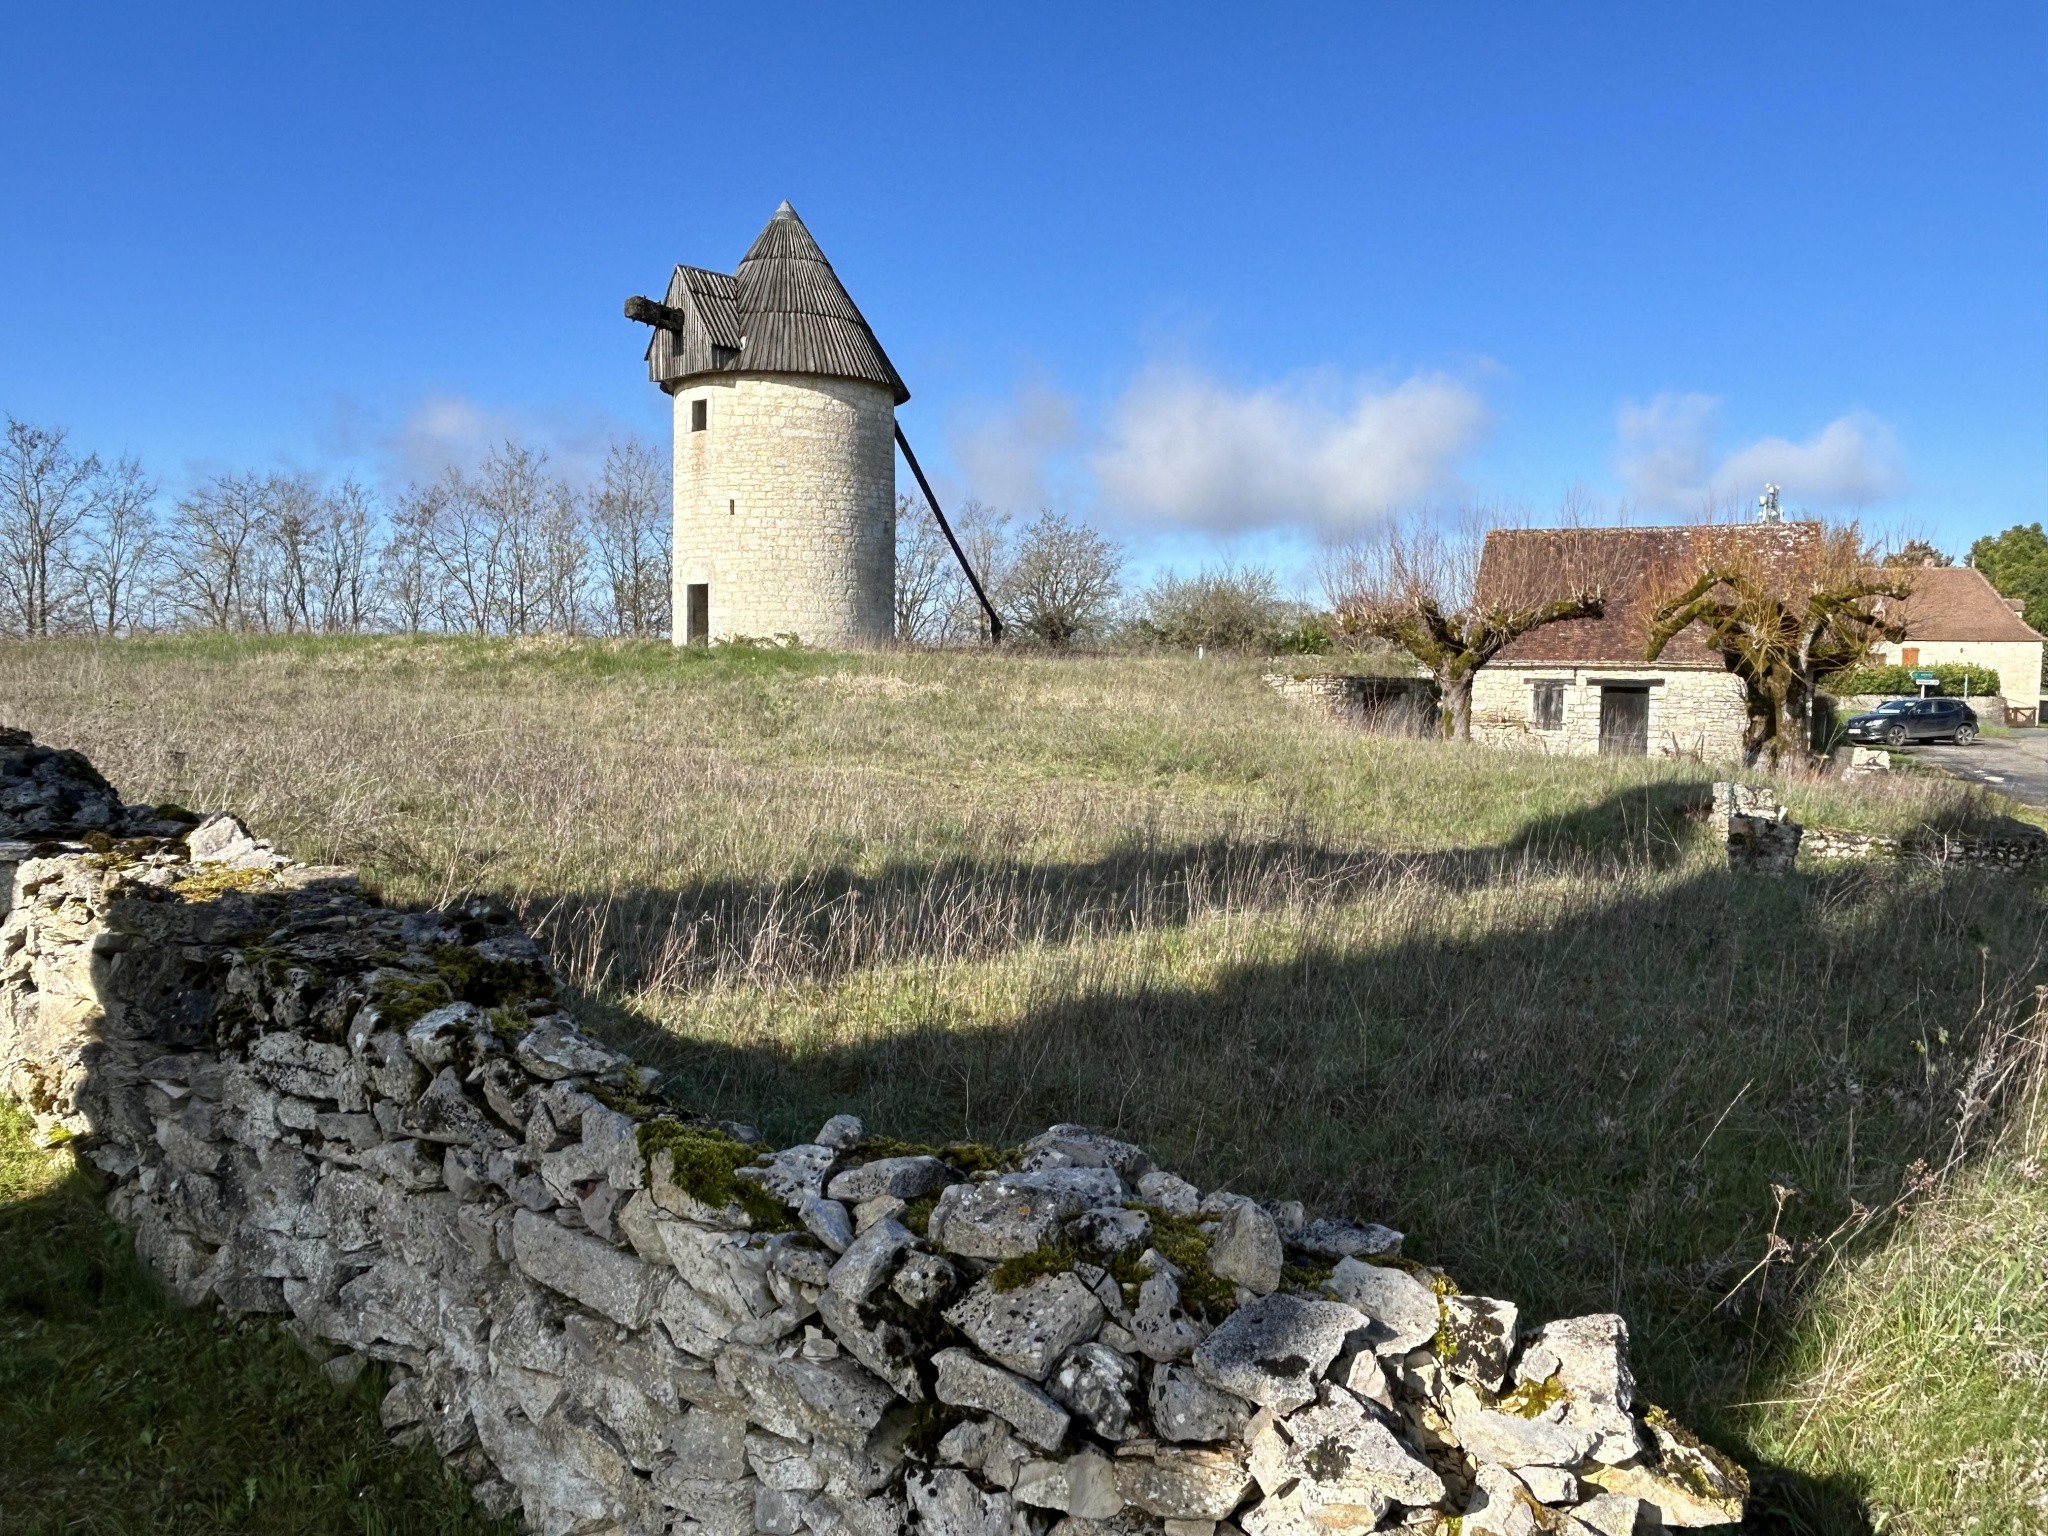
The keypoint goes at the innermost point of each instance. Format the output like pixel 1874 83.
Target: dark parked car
pixel 1899 721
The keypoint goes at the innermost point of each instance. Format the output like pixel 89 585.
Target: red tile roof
pixel 1635 568
pixel 1958 603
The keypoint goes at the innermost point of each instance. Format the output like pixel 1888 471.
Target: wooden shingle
pixel 784 311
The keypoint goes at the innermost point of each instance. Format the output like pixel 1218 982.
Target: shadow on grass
pixel 121 1412
pixel 1585 1106
pixel 819 924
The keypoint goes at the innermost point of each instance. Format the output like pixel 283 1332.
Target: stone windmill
pixel 785 438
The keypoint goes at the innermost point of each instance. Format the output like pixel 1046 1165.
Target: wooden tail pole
pixel 995 620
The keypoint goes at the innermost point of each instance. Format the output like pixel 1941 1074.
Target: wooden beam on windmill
pixel 660 316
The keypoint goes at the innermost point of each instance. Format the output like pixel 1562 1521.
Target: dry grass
pixel 1512 1005
pixel 1920 1376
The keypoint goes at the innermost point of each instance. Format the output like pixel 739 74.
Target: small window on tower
pixel 700 415
pixel 1546 709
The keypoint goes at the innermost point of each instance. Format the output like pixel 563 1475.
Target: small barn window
pixel 700 415
pixel 1546 708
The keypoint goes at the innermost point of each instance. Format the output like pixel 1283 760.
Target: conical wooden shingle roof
pixel 784 311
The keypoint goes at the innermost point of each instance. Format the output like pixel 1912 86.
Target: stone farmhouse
pixel 1582 686
pixel 785 447
pixel 1956 615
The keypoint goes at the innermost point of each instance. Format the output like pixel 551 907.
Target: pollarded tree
pixel 1784 626
pixel 1427 591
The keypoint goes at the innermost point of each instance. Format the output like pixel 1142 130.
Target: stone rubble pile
pixel 615 1316
pixel 1761 835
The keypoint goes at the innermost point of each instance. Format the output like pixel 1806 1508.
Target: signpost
pixel 1926 680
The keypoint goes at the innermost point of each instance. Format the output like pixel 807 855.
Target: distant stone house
pixel 1583 686
pixel 1956 615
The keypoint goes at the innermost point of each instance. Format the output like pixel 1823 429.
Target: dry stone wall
pixel 614 1315
pixel 1761 835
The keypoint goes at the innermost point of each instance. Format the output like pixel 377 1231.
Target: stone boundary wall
pixel 1761 834
pixel 616 1316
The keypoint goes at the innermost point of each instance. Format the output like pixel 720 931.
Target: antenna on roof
pixel 1767 510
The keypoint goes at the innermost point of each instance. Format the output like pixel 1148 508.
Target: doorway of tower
pixel 697 613
pixel 1624 720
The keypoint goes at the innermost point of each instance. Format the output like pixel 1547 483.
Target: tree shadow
pixel 823 923
pixel 1573 1084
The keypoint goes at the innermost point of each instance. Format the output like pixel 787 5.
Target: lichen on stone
pixel 702 1162
pixel 216 880
pixel 968 1157
pixel 1014 1274
pixel 1532 1398
pixel 403 1000
pixel 1182 1240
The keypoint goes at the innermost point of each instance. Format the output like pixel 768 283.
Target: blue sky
pixel 1223 279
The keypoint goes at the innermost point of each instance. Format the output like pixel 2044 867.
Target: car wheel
pixel 1965 734
pixel 1895 736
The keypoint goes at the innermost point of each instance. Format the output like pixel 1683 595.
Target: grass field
pixel 1512 1005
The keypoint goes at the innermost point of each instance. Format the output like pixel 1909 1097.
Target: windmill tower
pixel 785 464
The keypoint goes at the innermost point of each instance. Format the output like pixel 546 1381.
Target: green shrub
pixel 1898 681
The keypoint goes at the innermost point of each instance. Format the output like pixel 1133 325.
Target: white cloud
pixel 1666 459
pixel 1664 447
pixel 1853 461
pixel 447 432
pixel 1009 457
pixel 451 431
pixel 1186 448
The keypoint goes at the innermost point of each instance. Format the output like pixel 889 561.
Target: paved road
pixel 2016 765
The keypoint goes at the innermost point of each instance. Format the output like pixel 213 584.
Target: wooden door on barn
pixel 1624 721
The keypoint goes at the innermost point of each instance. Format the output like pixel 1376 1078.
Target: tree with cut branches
pixel 1426 590
pixel 1782 631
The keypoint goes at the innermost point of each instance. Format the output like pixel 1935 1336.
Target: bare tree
pixel 341 558
pixel 465 544
pixel 562 550
pixel 117 551
pixel 632 538
pixel 509 548
pixel 926 575
pixel 1427 590
pixel 1916 553
pixel 1784 625
pixel 1063 582
pixel 407 574
pixel 46 492
pixel 216 556
pixel 285 597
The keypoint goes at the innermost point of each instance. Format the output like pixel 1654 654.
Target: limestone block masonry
pixel 1694 712
pixel 785 508
pixel 1761 834
pixel 613 1315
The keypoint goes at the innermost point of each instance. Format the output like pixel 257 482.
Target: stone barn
pixel 785 465
pixel 1583 686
